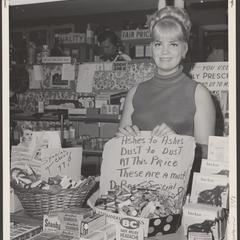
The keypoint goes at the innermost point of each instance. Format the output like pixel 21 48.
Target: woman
pixel 170 102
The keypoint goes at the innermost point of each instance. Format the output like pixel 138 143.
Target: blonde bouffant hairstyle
pixel 171 17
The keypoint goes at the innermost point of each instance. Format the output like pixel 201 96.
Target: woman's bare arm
pixel 205 117
pixel 127 109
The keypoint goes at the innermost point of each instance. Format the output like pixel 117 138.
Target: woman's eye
pixel 157 44
pixel 174 44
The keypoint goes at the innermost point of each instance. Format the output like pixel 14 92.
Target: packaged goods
pixel 108 232
pixel 92 223
pixel 200 236
pixel 198 213
pixel 210 189
pixel 138 201
pixel 214 167
pixel 51 223
pixel 67 222
pixel 22 231
pixel 50 236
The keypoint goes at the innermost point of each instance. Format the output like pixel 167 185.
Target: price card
pixel 66 161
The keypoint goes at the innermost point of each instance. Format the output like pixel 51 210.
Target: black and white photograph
pixel 120 120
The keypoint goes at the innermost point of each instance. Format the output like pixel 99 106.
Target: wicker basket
pixel 36 202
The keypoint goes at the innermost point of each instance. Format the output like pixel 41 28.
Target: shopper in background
pixel 110 46
pixel 170 102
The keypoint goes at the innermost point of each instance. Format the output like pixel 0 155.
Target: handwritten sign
pixel 66 161
pixel 165 162
pixel 214 75
pixel 135 34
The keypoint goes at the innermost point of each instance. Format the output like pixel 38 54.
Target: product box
pixel 52 223
pixel 198 213
pixel 50 236
pixel 86 101
pixel 199 236
pixel 108 232
pixel 213 167
pixel 110 109
pixel 22 231
pixel 67 222
pixel 210 189
pixel 92 223
pixel 115 218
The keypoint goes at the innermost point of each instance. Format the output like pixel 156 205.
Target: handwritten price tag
pixel 163 162
pixel 61 162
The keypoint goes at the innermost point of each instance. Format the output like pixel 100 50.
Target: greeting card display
pixel 214 167
pixel 210 189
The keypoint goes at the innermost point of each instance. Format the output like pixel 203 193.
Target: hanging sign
pixel 69 38
pixel 163 162
pixel 135 34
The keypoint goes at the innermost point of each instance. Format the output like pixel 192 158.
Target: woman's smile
pixel 168 52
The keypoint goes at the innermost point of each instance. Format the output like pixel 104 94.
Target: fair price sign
pixel 214 75
pixel 135 34
pixel 164 162
pixel 61 161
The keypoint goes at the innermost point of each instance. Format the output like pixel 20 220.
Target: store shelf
pixel 97 118
pixel 34 117
pixel 55 117
pixel 92 152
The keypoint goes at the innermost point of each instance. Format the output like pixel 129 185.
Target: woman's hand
pixel 162 130
pixel 128 131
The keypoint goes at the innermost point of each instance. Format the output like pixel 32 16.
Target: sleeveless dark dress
pixel 169 99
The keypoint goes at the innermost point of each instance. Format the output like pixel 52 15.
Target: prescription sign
pixel 214 75
pixel 164 162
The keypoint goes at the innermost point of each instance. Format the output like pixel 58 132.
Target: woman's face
pixel 167 51
pixel 109 49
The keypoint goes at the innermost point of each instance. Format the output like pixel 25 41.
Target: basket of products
pixel 144 201
pixel 38 196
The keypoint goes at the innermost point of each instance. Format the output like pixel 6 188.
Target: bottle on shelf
pixel 89 34
pixel 31 53
pixel 71 132
pixel 45 51
pixel 66 132
pixel 40 105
